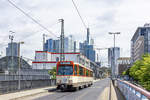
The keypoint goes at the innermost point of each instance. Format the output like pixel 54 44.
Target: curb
pixel 27 93
pixel 49 90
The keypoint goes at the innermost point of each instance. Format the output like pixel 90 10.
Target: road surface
pixel 91 93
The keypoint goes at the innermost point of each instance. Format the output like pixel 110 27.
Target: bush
pixel 52 73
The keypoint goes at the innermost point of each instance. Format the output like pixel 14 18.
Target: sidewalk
pixel 13 96
pixel 25 93
pixel 116 93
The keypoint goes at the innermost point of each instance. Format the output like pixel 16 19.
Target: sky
pixel 101 16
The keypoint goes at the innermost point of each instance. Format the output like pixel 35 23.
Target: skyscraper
pixel 49 45
pixel 54 45
pixel 113 55
pixel 140 42
pixel 87 48
pixel 88 36
pixel 12 49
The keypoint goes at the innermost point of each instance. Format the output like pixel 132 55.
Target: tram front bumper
pixel 64 86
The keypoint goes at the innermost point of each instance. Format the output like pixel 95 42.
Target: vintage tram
pixel 71 75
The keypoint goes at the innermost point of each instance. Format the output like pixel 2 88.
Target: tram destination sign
pixel 65 62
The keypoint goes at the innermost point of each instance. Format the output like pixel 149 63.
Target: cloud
pixel 102 16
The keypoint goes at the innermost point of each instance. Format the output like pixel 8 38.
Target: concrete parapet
pixel 11 86
pixel 113 92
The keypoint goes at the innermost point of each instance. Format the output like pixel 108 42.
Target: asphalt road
pixel 91 93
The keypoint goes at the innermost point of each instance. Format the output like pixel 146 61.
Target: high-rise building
pixel 87 47
pixel 92 42
pixel 87 50
pixel 113 55
pixel 88 36
pixel 140 42
pixel 12 49
pixel 75 45
pixel 54 45
pixel 69 44
pixel 49 45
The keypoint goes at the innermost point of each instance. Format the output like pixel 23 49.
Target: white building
pixel 48 60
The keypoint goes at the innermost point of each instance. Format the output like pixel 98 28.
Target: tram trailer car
pixel 71 75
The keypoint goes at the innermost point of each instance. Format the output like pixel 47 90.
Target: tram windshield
pixel 65 70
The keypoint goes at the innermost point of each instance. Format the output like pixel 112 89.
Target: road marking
pixel 95 87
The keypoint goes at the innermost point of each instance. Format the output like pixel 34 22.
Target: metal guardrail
pixel 132 92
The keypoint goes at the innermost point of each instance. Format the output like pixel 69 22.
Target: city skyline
pixel 101 21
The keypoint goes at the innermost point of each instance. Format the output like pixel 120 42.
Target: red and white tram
pixel 71 75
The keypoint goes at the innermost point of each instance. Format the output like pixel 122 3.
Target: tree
pixel 140 71
pixel 52 73
pixel 126 72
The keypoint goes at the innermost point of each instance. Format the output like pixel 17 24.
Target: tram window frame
pixel 84 72
pixel 87 72
pixel 91 74
pixel 75 70
pixel 80 71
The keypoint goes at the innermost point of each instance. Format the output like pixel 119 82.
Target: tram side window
pixel 75 69
pixel 91 74
pixel 80 70
pixel 87 73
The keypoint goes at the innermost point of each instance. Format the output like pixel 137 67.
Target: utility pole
pixel 114 61
pixel 62 56
pixel 19 64
pixel 11 37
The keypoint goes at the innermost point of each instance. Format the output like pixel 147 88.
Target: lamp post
pixel 114 33
pixel 19 64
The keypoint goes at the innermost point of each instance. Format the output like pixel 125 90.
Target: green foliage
pixel 52 72
pixel 126 72
pixel 140 71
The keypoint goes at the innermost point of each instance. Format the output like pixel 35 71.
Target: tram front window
pixel 65 70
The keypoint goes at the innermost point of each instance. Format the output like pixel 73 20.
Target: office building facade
pixel 52 45
pixel 87 47
pixel 113 55
pixel 12 49
pixel 140 42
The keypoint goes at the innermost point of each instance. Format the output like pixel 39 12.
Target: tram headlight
pixel 59 81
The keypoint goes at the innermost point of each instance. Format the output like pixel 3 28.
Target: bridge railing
pixel 132 92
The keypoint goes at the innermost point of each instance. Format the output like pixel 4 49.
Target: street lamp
pixel 19 64
pixel 113 33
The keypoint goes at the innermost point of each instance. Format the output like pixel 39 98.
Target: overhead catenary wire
pixel 34 20
pixel 79 14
